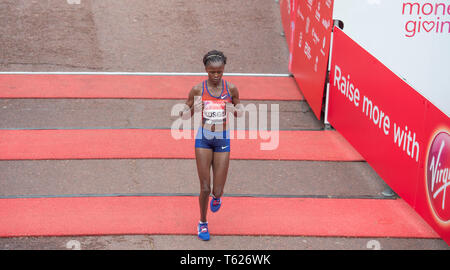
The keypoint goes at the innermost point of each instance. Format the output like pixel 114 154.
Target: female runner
pixel 214 98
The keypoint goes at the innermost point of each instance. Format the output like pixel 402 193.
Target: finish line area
pixel 272 215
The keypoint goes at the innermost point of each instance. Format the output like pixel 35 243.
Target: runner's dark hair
pixel 214 56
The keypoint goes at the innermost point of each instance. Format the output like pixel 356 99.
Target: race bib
pixel 214 111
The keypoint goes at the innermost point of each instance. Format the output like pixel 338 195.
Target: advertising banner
pixel 412 38
pixel 432 200
pixel 311 45
pixel 403 136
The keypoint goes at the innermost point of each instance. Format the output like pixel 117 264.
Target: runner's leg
pixel 221 161
pixel 204 158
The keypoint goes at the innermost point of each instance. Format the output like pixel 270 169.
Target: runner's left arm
pixel 238 108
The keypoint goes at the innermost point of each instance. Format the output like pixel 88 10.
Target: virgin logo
pixel 438 175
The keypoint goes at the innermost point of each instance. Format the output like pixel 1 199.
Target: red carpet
pixel 134 86
pixel 154 143
pixel 239 216
pixel 150 215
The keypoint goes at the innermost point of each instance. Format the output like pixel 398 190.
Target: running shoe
pixel 215 204
pixel 203 233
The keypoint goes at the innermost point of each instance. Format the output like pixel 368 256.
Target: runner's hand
pixel 238 110
pixel 198 105
pixel 230 108
pixel 185 112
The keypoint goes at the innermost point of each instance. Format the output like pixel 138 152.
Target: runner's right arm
pixel 193 103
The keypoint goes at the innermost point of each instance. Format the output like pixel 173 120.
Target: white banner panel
pixel 412 38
